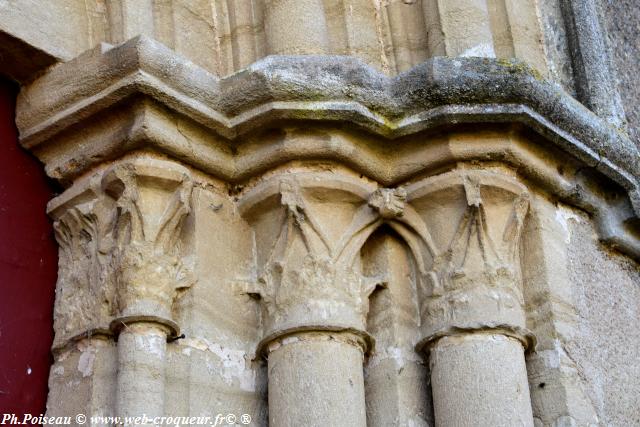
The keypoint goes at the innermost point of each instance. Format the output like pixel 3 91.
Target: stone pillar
pixel 295 27
pixel 83 348
pixel 309 228
pixel 153 198
pixel 479 379
pixel 473 319
pixel 316 379
pixel 141 355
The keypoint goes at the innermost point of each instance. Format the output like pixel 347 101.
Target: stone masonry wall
pixel 337 212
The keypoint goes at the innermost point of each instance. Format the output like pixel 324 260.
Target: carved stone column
pixel 84 220
pixel 473 319
pixel 152 198
pixel 309 228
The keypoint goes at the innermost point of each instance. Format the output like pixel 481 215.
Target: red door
pixel 28 264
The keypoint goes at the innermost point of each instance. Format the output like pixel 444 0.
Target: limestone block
pixel 82 380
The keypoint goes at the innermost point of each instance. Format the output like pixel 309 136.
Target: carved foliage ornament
pixel 84 290
pixel 309 274
pixel 463 228
pixel 467 241
pixel 153 200
pixel 120 246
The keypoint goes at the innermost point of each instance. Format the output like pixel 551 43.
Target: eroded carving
pixel 466 233
pixel 84 291
pixel 309 275
pixel 121 251
pixel 149 264
pixel 389 202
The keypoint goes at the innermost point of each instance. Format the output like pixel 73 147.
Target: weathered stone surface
pixel 397 382
pixel 622 20
pixel 225 36
pixel 605 345
pixel 480 381
pixel 436 93
pixel 316 380
pixel 468 225
pixel 336 212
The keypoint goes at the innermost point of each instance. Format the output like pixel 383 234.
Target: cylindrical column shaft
pixel 141 364
pixel 296 27
pixel 316 379
pixel 479 379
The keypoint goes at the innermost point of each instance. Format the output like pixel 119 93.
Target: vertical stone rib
pixel 396 380
pixel 591 64
pixel 129 18
pixel 408 33
pixel 526 33
pixel 435 36
pixel 501 28
pixel 360 20
pixel 164 23
pixel 245 22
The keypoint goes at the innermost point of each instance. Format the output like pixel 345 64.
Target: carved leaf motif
pixel 475 254
pixel 326 271
pixel 148 262
pixel 135 226
pixel 84 290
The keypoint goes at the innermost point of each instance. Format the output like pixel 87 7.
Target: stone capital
pixel 84 218
pixel 309 228
pixel 468 225
pixel 149 263
pixel 121 253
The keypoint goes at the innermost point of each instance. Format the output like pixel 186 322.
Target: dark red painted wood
pixel 28 264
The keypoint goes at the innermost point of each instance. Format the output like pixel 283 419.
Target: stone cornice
pixel 321 89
